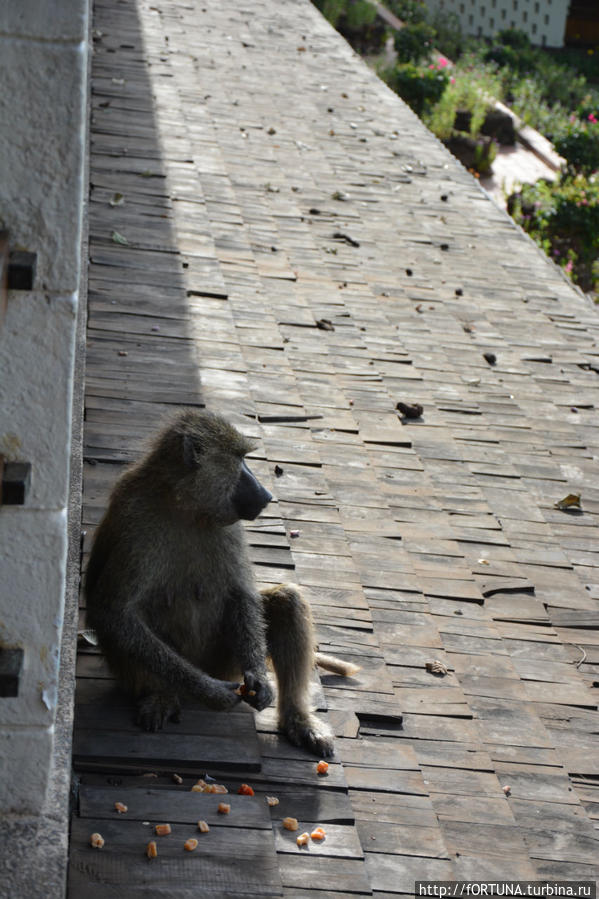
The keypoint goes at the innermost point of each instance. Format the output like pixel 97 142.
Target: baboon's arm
pixel 248 638
pixel 129 635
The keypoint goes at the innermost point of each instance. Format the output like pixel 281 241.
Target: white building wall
pixel 43 111
pixel 544 21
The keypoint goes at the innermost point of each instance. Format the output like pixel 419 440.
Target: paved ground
pixel 289 245
pixel 514 166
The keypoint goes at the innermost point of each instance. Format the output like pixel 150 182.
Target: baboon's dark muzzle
pixel 250 497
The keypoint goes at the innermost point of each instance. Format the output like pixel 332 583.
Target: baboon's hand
pixel 258 684
pixel 222 695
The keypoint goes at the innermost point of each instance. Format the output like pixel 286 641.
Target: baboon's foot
pixel 155 710
pixel 306 730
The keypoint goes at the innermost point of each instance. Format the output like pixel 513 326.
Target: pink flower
pixel 443 62
pixel 568 266
pixel 432 66
pixel 592 117
pixel 452 80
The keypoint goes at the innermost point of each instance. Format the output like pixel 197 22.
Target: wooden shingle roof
pixel 294 249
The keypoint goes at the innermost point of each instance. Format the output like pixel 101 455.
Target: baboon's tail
pixel 336 666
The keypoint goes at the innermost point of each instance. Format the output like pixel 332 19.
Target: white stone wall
pixel 43 100
pixel 544 21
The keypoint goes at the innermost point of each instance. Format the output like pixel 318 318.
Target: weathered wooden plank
pixel 335 874
pixel 340 841
pixel 398 873
pixel 219 864
pixel 402 839
pixel 175 805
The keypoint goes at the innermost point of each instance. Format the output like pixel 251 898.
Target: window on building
pixel 533 28
pixel 515 4
pixel 546 17
pixel 503 13
pixel 543 40
pixel 491 22
pixel 525 16
pixel 536 7
pixel 471 20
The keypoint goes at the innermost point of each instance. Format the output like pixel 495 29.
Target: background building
pixel 544 21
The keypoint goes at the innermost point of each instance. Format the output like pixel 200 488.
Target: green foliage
pixel 420 87
pixel 448 33
pixel 409 11
pixel 511 50
pixel 331 9
pixel 579 145
pixel 464 93
pixel 484 154
pixel 357 21
pixel 414 43
pixel 563 218
pixel 513 37
pixel 359 13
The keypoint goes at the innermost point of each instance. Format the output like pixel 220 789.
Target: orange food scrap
pixel 202 787
pixel 318 834
pixel 203 826
pixel 162 830
pixel 242 690
pixel 303 839
pixel 290 823
pixel 245 790
pixel 96 840
pixel 190 845
pixel 322 767
pixel 152 849
pixel 223 808
pixel 120 807
pixel 272 801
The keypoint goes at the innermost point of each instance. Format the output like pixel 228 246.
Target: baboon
pixel 171 593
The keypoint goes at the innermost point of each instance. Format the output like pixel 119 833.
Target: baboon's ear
pixel 190 452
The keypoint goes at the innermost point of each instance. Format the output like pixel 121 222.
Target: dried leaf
pixel 89 636
pixel 410 410
pixel 120 239
pixel 324 324
pixel 117 200
pixel 569 501
pixel 436 667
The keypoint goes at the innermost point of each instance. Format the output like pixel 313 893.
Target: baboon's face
pixel 214 481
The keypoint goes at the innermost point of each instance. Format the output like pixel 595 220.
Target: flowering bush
pixel 563 218
pixel 419 86
pixel 414 43
pixel 464 94
pixel 579 144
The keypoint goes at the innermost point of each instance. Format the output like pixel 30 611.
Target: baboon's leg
pixel 290 638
